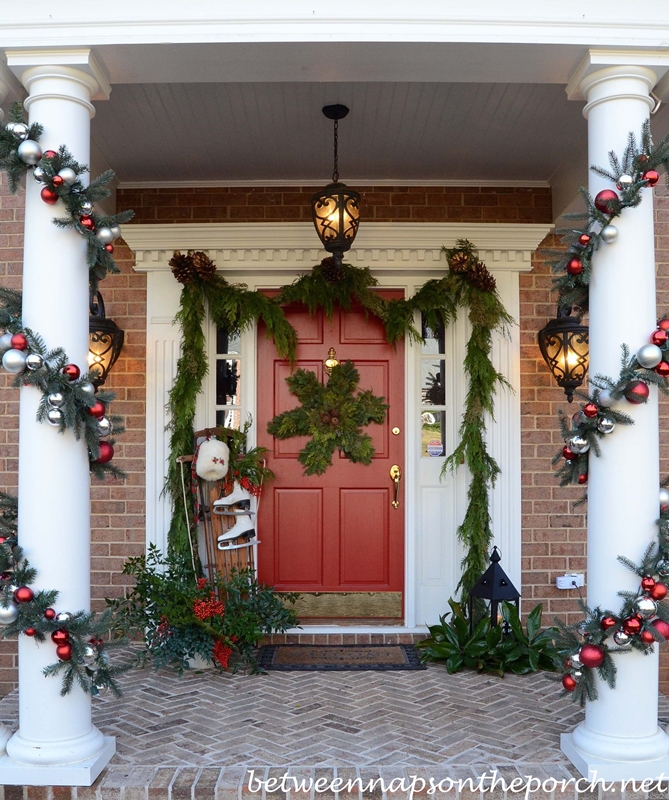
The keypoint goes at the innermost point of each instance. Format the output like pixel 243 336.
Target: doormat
pixel 339 658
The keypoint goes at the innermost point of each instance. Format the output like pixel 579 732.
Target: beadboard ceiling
pixel 396 131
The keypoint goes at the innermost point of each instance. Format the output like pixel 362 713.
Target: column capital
pixel 77 66
pixel 649 65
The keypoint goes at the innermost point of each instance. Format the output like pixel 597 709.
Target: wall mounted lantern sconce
pixel 105 340
pixel 564 345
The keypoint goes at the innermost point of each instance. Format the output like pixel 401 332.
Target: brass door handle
pixel 396 475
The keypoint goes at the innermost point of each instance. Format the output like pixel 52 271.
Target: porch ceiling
pixel 403 131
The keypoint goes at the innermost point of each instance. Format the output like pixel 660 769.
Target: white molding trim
pixel 595 60
pixel 391 246
pixel 317 182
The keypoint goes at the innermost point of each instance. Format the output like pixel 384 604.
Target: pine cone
pixel 459 262
pixel 203 265
pixel 325 418
pixel 331 271
pixel 481 278
pixel 182 267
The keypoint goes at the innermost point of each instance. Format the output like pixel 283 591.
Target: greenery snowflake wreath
pixel 333 415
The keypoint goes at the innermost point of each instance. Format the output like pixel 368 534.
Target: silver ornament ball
pixel 68 175
pixel 609 234
pixel 649 356
pixel 20 129
pixel 578 444
pixel 55 416
pixel 90 655
pixel 5 342
pixel 9 614
pixel 575 661
pixel 14 361
pixel 87 207
pixel 101 689
pixel 87 386
pixel 116 231
pixel 621 638
pixel 664 499
pixel 39 175
pixel 63 617
pixel 576 674
pixel 104 235
pixel 624 181
pixel 29 152
pixel 104 426
pixel 646 606
pixel 604 399
pixel 605 425
pixel 662 567
pixel 55 399
pixel 34 361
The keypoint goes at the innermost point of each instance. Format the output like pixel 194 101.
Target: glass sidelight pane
pixel 227 344
pixel 434 339
pixel 433 430
pixel 229 418
pixel 432 382
pixel 228 379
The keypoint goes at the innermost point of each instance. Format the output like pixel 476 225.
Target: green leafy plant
pixel 488 648
pixel 248 467
pixel 180 618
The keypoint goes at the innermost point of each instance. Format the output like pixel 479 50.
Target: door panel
pixel 336 532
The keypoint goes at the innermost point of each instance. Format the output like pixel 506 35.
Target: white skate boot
pixel 243 527
pixel 238 497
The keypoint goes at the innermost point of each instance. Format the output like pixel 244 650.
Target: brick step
pixel 343 638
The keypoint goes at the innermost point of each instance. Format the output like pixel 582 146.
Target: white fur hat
pixel 212 460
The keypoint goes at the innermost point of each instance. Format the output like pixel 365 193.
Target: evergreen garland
pixel 332 415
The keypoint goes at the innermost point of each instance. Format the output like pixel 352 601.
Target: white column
pixel 56 742
pixel 620 737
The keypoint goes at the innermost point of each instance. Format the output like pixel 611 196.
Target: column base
pixel 595 768
pixel 81 773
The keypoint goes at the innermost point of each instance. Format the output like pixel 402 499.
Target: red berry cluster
pixel 221 653
pixel 211 607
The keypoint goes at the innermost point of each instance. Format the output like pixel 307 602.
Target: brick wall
pixel 553 532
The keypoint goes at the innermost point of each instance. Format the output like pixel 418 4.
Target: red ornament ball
pixel 97 409
pixel 30 631
pixel 583 478
pixel 64 651
pixel 50 613
pixel 590 410
pixel 632 626
pixel 72 372
pixel 637 392
pixel 651 177
pixel 642 158
pixel 19 342
pixel 568 453
pixel 49 154
pixel 49 196
pixel 584 239
pixel 57 180
pixel 659 591
pixel 574 267
pixel 661 627
pixel 605 199
pixel 662 369
pixel 608 622
pixel 24 594
pixel 659 337
pixel 646 637
pixel 663 324
pixel 592 655
pixel 106 453
pixel 60 636
pixel 647 583
pixel 87 222
pixel 109 248
pixel 569 683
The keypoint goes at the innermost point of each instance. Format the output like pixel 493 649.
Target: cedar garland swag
pixel 468 284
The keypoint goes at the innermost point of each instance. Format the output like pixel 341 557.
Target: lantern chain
pixel 335 173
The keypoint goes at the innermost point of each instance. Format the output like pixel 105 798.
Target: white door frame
pixel 400 255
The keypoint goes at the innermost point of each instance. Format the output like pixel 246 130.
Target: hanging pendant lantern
pixel 105 340
pixel 335 209
pixel 564 345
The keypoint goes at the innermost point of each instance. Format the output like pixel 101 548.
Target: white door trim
pixel 400 255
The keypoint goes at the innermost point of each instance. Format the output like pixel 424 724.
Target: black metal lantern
pixel 335 209
pixel 105 340
pixel 565 347
pixel 495 586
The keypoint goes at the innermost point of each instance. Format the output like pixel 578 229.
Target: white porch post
pixel 56 742
pixel 620 737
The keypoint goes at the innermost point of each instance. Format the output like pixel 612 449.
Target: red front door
pixel 336 532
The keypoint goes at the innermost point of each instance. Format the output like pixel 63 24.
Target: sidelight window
pixel 433 392
pixel 228 379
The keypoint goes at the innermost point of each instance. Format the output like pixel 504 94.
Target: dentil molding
pixel 388 246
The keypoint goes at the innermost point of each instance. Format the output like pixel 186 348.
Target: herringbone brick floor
pixel 354 719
